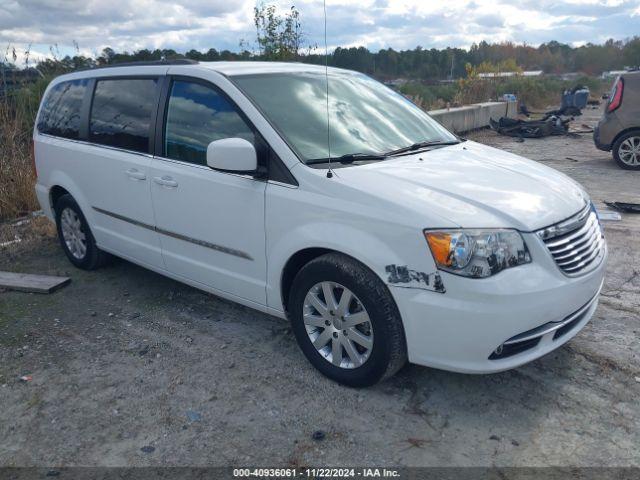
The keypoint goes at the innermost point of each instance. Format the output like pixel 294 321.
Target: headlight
pixel 477 253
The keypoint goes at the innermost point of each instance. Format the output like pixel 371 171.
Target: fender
pixel 61 179
pixel 378 253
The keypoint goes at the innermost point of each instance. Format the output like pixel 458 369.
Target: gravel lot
pixel 123 359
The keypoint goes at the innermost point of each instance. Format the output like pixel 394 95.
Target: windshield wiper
pixel 348 158
pixel 419 145
pixel 359 156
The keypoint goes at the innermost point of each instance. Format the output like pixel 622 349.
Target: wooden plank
pixel 26 282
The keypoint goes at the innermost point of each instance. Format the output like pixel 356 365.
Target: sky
pixel 58 25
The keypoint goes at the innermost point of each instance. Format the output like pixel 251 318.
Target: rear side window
pixel 121 113
pixel 196 116
pixel 60 112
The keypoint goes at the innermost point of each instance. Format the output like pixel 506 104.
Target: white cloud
pixel 400 24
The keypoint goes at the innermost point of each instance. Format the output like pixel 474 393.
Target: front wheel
pixel 346 322
pixel 626 150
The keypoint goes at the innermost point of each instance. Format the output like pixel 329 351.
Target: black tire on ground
pixel 616 150
pixel 93 257
pixel 389 351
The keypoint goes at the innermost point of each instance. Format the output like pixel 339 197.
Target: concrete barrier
pixel 471 117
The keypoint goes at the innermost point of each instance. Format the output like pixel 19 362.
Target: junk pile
pixel 553 122
pixel 551 125
pixel 625 207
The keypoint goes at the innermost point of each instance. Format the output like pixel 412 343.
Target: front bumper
pixel 463 329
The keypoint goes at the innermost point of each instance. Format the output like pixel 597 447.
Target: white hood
pixel 473 186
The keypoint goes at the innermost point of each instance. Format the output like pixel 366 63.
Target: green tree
pixel 631 52
pixel 107 56
pixel 279 37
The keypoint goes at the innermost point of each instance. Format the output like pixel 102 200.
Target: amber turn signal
pixel 440 244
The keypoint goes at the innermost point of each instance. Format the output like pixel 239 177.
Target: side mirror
pixel 232 155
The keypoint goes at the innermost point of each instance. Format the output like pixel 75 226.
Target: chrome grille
pixel 577 244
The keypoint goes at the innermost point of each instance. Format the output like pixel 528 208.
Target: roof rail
pixel 177 61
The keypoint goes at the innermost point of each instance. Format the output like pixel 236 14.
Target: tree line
pixel 419 63
pixel 280 36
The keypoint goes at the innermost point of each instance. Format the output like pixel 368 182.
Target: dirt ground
pixel 124 359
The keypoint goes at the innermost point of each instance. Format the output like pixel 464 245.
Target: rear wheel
pixel 346 322
pixel 75 235
pixel 626 150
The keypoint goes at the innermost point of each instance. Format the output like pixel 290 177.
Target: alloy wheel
pixel 338 325
pixel 72 233
pixel 629 151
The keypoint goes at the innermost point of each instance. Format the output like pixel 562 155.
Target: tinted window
pixel 60 113
pixel 198 115
pixel 121 113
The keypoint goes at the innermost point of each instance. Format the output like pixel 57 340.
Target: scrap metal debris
pixel 552 125
pixel 609 216
pixel 18 222
pixel 552 122
pixel 625 207
pixel 16 239
pixel 567 111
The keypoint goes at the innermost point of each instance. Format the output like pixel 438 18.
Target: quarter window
pixel 121 113
pixel 196 116
pixel 60 114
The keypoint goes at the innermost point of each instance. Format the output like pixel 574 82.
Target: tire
pixel 75 236
pixel 626 150
pixel 359 366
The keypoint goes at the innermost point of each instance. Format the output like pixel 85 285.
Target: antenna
pixel 326 76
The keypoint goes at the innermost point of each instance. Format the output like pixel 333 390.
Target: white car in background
pixel 401 242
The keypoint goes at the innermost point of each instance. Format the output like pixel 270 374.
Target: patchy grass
pixel 536 92
pixel 429 97
pixel 17 177
pixel 16 188
pixel 540 92
pixel 27 230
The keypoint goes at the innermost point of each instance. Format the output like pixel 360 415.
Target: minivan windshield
pixel 366 118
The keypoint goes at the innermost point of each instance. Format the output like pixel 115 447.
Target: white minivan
pixel 326 198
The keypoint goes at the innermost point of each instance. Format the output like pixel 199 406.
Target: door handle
pixel 166 181
pixel 136 174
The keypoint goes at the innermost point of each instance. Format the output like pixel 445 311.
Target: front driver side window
pixel 197 115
